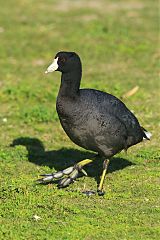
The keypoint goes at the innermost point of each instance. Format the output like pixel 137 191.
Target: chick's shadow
pixel 64 157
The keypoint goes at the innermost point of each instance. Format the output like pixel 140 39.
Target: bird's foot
pixel 65 176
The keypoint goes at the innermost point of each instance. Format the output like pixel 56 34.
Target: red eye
pixel 62 59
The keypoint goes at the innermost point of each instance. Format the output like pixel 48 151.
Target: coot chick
pixel 92 119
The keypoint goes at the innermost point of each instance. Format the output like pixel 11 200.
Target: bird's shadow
pixel 64 157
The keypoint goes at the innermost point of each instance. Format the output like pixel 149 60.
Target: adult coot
pixel 92 119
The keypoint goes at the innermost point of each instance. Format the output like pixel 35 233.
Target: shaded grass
pixel 117 42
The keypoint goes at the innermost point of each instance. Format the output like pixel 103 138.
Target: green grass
pixel 118 44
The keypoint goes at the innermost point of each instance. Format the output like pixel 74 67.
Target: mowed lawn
pixel 117 41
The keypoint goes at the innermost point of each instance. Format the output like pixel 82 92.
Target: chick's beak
pixel 53 67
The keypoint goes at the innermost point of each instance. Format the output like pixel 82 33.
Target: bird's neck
pixel 70 83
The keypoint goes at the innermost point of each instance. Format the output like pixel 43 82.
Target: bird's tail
pixel 146 135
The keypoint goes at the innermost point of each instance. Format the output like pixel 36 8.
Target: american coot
pixel 92 119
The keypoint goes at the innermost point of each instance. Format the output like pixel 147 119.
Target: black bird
pixel 92 119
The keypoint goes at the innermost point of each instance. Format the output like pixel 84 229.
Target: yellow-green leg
pixel 82 163
pixel 100 187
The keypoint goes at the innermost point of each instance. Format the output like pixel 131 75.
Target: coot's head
pixel 65 62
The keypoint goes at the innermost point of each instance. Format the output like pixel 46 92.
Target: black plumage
pixel 92 119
